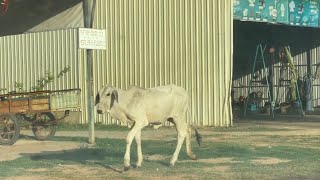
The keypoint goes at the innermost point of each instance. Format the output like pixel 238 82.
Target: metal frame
pixel 260 50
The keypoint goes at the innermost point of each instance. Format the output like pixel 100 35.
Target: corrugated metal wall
pixel 158 42
pixel 27 57
pixel 315 70
pixel 149 43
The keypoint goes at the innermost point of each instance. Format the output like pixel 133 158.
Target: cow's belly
pixel 158 113
pixel 156 117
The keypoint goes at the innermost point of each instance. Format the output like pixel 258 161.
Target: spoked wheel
pixel 9 129
pixel 44 126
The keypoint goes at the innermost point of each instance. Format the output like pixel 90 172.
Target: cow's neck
pixel 123 98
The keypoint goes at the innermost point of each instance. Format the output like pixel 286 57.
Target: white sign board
pixel 92 38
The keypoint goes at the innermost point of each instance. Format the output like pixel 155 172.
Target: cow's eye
pixel 108 94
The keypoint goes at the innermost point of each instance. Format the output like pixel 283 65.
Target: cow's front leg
pixel 135 129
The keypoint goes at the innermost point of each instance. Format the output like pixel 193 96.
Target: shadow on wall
pixel 23 15
pixel 247 35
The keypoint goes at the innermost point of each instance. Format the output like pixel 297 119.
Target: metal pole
pixel 88 21
pixel 309 84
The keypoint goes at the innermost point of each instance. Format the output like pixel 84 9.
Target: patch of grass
pixel 250 129
pixel 295 139
pixel 302 161
pixel 107 155
pixel 18 167
pixel 85 127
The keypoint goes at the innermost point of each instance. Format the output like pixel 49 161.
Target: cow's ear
pixel 97 99
pixel 114 96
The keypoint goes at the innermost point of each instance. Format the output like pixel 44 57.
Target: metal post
pixel 309 84
pixel 89 94
pixel 88 7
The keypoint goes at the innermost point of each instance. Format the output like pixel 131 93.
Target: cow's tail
pixel 198 136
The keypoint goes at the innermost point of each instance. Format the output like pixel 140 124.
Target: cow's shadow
pixel 83 154
pixel 108 153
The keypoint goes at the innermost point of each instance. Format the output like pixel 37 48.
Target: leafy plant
pixel 42 82
pixel 64 71
pixel 18 86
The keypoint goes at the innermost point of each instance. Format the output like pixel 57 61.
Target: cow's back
pixel 172 89
pixel 159 103
pixel 171 98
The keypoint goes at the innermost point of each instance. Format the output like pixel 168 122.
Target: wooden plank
pixel 40 107
pixel 4 104
pixel 4 109
pixel 40 104
pixel 23 105
pixel 17 109
pixel 40 101
pixel 15 103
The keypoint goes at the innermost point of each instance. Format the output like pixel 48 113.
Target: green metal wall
pixel 158 42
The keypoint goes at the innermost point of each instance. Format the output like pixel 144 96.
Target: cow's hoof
pixel 194 157
pixel 137 167
pixel 171 164
pixel 126 168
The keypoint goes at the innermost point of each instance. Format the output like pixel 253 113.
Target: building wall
pixel 149 43
pixel 25 58
pixel 158 42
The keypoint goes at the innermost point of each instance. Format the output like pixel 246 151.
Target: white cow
pixel 141 107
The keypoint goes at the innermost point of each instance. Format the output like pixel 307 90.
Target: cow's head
pixel 105 99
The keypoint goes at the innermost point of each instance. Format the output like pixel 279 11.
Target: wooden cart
pixel 36 109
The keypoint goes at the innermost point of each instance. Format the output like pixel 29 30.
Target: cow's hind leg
pixel 188 144
pixel 181 131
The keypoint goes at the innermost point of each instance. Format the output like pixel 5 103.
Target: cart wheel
pixel 9 129
pixel 44 127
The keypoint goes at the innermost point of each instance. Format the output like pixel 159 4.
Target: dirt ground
pixel 31 146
